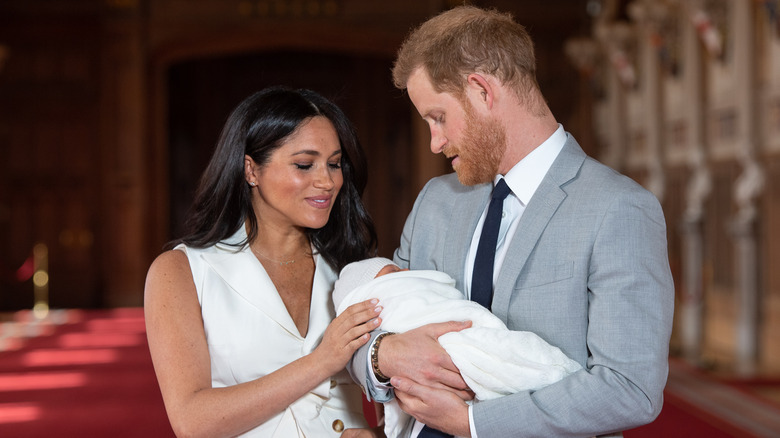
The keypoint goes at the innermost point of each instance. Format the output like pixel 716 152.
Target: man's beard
pixel 481 149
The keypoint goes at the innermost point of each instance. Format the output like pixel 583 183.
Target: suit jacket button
pixel 338 426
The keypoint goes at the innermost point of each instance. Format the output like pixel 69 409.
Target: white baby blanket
pixel 493 360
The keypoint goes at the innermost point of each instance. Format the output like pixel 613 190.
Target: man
pixel 580 257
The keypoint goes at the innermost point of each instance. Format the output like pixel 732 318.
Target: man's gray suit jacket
pixel 587 270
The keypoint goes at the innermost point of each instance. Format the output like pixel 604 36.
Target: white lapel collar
pixel 245 275
pixel 321 311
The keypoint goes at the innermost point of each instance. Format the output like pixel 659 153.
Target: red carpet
pixel 677 420
pixel 89 374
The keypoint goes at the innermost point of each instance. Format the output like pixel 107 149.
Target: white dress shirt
pixel 523 179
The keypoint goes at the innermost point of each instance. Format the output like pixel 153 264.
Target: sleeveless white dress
pixel 250 334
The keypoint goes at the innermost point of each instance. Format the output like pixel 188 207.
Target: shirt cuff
pixel 472 428
pixel 380 392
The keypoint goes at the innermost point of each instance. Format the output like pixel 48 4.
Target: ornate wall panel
pixel 722 112
pixel 674 207
pixel 680 97
pixel 719 279
pixel 768 37
pixel 711 67
pixel 768 88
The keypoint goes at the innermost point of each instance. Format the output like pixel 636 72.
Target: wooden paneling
pixel 88 137
pixel 49 155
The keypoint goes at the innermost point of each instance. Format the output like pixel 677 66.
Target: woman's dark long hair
pixel 257 127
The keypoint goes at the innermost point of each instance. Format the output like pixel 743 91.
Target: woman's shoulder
pixel 169 278
pixel 173 256
pixel 169 263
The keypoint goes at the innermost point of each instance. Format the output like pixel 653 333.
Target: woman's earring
pixel 252 183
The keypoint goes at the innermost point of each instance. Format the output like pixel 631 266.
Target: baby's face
pixel 388 269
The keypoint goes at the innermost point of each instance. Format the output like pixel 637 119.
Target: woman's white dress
pixel 250 334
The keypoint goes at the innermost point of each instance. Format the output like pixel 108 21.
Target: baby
pixel 493 360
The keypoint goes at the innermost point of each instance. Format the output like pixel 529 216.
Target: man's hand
pixel 438 408
pixel 417 355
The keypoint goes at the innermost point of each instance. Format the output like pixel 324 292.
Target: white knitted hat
pixel 357 274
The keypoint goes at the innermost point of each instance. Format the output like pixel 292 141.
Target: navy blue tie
pixel 482 277
pixel 428 432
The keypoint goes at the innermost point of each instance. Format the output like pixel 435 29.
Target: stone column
pixel 697 191
pixel 692 303
pixel 648 14
pixel 615 40
pixel 747 190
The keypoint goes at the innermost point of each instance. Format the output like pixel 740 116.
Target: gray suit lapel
pixel 538 213
pixel 465 215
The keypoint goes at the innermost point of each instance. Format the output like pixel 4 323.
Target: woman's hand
pixel 348 332
pixel 376 432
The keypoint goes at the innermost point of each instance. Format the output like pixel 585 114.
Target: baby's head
pixel 359 273
pixel 389 269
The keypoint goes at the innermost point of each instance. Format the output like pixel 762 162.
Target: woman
pixel 239 314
